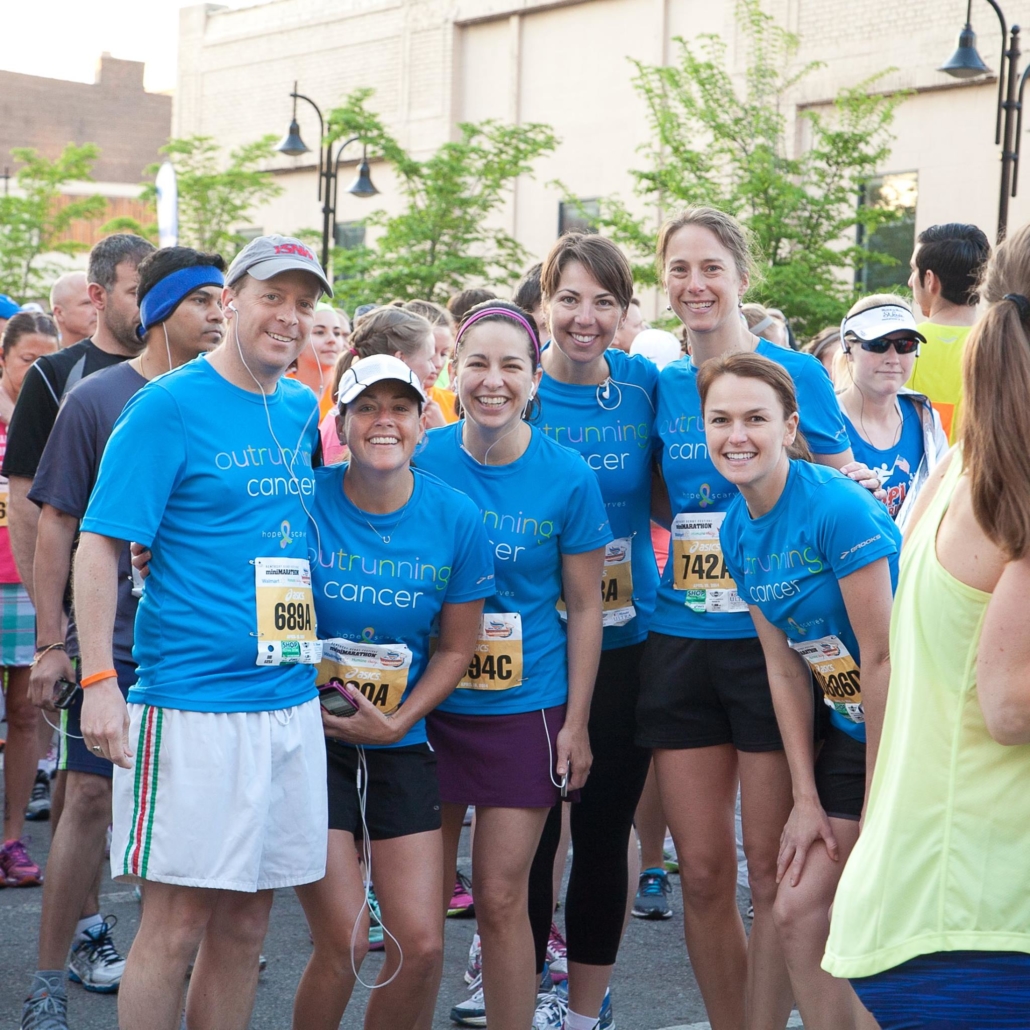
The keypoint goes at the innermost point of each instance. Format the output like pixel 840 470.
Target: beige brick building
pixel 434 63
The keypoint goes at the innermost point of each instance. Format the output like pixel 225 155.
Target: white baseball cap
pixel 882 320
pixel 366 372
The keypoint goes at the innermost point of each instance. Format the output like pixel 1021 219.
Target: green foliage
pixel 712 143
pixel 213 201
pixel 445 237
pixel 33 219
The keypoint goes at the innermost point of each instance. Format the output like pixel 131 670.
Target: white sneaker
pixel 94 961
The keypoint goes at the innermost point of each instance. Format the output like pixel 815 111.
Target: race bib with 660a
pixel 379 671
pixel 285 612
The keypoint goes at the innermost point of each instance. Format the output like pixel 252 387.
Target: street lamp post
pixel 328 169
pixel 966 63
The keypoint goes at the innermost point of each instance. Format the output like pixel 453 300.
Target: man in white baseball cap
pixel 219 793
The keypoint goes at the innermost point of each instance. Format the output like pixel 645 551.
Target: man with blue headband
pixel 180 312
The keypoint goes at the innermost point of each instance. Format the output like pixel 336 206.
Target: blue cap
pixel 8 308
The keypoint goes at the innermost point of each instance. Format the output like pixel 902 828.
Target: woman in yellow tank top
pixel 932 915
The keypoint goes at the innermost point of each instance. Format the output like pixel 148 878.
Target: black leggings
pixel 595 904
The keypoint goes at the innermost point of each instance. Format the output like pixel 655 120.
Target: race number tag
pixel 4 499
pixel 699 568
pixel 285 612
pixel 497 660
pixel 616 585
pixel 836 673
pixel 379 671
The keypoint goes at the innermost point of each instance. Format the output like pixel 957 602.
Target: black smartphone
pixel 336 701
pixel 64 693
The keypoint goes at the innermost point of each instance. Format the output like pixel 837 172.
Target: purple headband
pixel 507 313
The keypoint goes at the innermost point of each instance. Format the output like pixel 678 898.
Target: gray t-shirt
pixel 71 461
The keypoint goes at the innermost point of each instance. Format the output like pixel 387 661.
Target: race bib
pixel 4 498
pixel 616 585
pixel 699 568
pixel 379 671
pixel 497 660
pixel 285 612
pixel 836 673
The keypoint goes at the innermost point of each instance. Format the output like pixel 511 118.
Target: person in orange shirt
pixel 438 385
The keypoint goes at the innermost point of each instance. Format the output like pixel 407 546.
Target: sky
pixel 63 39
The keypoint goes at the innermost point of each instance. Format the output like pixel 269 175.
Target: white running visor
pixel 873 323
pixel 365 372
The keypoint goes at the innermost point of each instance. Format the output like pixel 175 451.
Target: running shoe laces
pixel 97 941
pixel 46 1008
pixel 654 885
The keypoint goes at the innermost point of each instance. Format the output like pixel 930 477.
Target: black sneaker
pixel 650 902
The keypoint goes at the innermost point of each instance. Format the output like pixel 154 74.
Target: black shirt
pixel 35 412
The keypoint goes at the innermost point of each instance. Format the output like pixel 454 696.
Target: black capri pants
pixel 595 904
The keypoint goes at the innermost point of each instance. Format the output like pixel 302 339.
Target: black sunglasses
pixel 903 344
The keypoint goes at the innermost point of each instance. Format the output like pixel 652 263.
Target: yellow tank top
pixel 943 862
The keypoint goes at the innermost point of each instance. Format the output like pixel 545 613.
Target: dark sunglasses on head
pixel 903 344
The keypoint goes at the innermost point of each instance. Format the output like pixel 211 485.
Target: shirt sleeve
pixel 821 420
pixel 31 423
pixel 472 570
pixel 586 522
pixel 142 463
pixel 855 530
pixel 68 466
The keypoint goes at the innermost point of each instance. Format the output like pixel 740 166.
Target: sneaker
pixel 650 901
pixel 557 955
pixel 38 808
pixel 475 966
pixel 552 1008
pixel 472 1011
pixel 16 868
pixel 461 900
pixel 46 1008
pixel 94 961
pixel 375 924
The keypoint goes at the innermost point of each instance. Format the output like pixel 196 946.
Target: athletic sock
pixel 574 1021
pixel 84 924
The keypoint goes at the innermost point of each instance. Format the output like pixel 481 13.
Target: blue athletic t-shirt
pixel 788 562
pixel 192 472
pixel 696 598
pixel 612 425
pixel 544 504
pixel 896 465
pixel 377 592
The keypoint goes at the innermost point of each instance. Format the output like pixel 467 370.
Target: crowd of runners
pixel 297 596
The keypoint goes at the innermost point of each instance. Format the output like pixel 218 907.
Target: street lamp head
pixel 291 144
pixel 965 62
pixel 362 185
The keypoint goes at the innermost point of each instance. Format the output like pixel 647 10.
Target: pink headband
pixel 506 313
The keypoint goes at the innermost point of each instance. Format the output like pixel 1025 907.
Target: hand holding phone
pixel 336 700
pixel 565 781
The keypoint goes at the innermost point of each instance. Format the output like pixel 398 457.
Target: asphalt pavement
pixel 652 988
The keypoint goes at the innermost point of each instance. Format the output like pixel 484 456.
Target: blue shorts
pixel 951 990
pixel 75 756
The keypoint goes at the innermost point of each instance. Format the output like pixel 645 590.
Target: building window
pixel 578 215
pixel 898 192
pixel 349 235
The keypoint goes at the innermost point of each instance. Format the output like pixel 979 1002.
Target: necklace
pixel 405 512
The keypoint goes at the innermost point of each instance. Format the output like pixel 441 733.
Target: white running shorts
pixel 224 800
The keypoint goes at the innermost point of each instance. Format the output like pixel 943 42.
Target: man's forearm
pixel 96 598
pixel 55 535
pixel 22 519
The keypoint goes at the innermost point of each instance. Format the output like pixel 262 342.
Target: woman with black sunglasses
pixel 893 430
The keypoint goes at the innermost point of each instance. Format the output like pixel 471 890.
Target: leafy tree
pixel 35 218
pixel 213 201
pixel 445 236
pixel 715 144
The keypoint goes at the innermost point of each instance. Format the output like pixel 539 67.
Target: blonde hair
pixel 995 428
pixel 736 238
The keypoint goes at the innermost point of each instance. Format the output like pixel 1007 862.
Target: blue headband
pixel 168 293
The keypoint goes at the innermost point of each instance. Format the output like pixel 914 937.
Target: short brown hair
pixel 995 427
pixel 460 303
pixel 736 238
pixel 599 256
pixel 26 323
pixel 435 314
pixel 754 366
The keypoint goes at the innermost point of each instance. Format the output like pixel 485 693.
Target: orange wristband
pixel 97 677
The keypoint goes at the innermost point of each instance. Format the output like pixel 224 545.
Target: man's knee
pixel 88 796
pixel 242 918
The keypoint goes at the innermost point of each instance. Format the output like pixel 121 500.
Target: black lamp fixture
pixel 328 169
pixel 966 63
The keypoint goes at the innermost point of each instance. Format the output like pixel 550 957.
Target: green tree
pixel 35 218
pixel 214 201
pixel 446 236
pixel 714 143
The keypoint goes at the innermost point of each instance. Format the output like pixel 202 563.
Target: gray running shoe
pixel 46 1008
pixel 650 902
pixel 38 807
